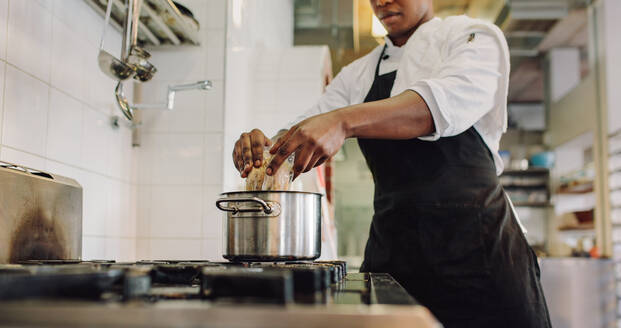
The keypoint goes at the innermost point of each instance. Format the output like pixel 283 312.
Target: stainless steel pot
pixel 271 225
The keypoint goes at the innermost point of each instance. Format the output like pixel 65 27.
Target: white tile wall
pixel 2 74
pixel 283 83
pixel 30 38
pixel 66 124
pixel 12 155
pixel 4 11
pixel 254 55
pixel 155 201
pixel 55 114
pixel 25 111
pixel 180 157
pixel 212 217
pixel 70 55
pixel 175 249
pixel 176 212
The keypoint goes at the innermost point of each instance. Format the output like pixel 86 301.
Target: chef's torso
pixel 459 66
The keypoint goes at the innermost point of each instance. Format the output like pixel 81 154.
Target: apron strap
pixel 380 60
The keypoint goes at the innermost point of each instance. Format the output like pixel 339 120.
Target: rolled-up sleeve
pixel 337 95
pixel 465 84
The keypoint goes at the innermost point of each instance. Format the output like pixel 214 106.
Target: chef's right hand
pixel 248 151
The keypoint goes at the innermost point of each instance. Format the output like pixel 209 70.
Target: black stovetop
pixel 321 282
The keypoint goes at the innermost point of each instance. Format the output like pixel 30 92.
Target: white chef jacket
pixel 458 65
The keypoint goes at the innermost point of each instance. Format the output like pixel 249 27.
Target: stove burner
pixel 225 282
pixel 247 286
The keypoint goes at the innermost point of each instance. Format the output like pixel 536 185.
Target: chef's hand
pixel 313 140
pixel 248 151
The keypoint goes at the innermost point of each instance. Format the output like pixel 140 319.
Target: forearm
pixel 404 116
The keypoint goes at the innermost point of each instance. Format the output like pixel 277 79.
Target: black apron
pixel 443 229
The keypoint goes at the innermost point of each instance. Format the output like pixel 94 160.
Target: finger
pixel 321 161
pixel 302 159
pixel 237 158
pixel 257 140
pixel 283 152
pixel 313 162
pixel 246 154
pixel 281 141
pixel 268 142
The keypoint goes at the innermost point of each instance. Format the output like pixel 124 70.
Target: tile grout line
pixel 51 86
pixel 73 166
pixel 6 40
pixel 47 123
pixel 3 102
pixel 108 236
pixel 5 61
pixel 53 36
pixel 203 191
pixel 150 199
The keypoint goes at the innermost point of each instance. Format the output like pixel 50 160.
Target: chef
pixel 428 109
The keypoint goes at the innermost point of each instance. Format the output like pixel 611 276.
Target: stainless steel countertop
pixel 203 314
pixel 359 300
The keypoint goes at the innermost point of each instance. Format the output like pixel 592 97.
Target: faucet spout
pixel 200 85
pixel 170 97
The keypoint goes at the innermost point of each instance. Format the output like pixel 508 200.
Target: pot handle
pixel 267 209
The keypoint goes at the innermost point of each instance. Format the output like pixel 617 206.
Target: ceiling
pixel 532 28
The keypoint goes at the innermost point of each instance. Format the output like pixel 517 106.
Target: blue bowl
pixel 543 159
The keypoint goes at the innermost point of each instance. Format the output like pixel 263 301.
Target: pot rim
pixel 232 193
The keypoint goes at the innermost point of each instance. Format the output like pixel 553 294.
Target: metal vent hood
pixel 161 21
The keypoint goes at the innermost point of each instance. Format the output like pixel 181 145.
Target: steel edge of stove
pixel 192 314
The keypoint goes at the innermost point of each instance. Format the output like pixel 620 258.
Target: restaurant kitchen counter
pixel 190 314
pixel 206 294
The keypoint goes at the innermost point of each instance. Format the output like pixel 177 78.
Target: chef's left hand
pixel 313 140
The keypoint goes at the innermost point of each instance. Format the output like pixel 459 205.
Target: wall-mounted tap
pixel 128 109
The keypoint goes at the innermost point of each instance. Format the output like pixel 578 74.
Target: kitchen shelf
pixel 577 233
pixel 532 204
pixel 566 203
pixel 530 171
pixel 161 21
pixel 529 187
pixel 580 188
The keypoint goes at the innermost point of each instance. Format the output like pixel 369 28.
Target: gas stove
pixel 33 293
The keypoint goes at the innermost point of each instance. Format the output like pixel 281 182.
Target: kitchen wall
pixel 55 114
pixel 184 155
pixel 180 154
pixel 257 81
pixel 147 202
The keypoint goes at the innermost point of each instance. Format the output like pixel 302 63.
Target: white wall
pixel 55 114
pixel 180 156
pixel 564 74
pixel 610 59
pixel 154 201
pixel 256 31
pixel 286 82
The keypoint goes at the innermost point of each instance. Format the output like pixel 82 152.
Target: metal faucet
pixel 128 109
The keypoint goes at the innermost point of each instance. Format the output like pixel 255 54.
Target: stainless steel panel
pixel 40 215
pixel 580 292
